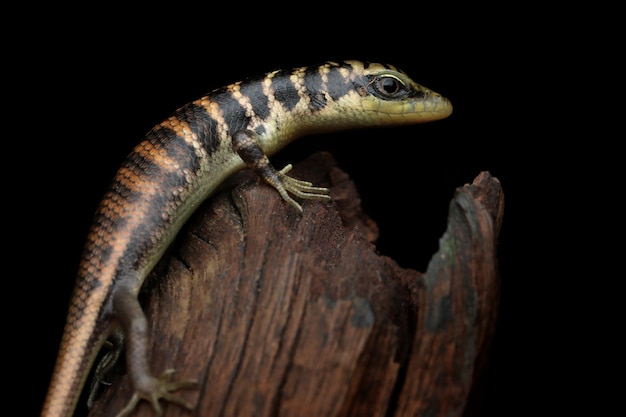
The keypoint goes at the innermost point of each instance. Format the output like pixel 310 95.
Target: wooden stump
pixel 281 314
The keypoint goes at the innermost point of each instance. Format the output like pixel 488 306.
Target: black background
pixel 91 83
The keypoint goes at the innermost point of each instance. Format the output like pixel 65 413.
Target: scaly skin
pixel 179 164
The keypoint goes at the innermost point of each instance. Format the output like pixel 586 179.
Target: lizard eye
pixel 388 87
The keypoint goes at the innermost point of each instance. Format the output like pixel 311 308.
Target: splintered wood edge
pixel 458 298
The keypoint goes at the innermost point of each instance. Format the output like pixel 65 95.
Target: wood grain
pixel 278 314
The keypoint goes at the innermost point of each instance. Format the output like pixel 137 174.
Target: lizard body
pixel 179 163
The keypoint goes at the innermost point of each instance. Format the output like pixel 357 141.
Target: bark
pixel 277 313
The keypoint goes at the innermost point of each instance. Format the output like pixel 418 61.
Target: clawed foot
pixel 157 389
pixel 299 188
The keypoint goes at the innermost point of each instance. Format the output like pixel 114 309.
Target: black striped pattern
pixel 183 159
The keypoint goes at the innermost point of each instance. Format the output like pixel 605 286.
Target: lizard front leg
pixel 247 147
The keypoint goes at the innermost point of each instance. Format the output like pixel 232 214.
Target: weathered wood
pixel 457 301
pixel 281 314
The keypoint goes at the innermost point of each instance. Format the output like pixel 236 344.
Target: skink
pixel 178 164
